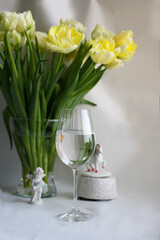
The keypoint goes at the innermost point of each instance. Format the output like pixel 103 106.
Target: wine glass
pixel 75 143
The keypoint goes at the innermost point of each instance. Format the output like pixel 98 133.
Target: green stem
pixel 45 161
pixel 33 151
pixel 39 140
pixel 60 61
pixel 20 149
pixel 51 159
pixel 31 50
pixel 8 46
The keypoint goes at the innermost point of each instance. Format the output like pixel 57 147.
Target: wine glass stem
pixel 75 205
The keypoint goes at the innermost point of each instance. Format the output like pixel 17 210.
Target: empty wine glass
pixel 75 143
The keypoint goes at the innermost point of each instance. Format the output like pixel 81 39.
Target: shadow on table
pixel 5 192
pixel 64 195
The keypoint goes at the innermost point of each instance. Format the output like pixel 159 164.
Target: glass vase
pixel 35 144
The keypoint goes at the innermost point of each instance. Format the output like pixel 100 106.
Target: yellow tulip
pixel 72 23
pixel 116 63
pixel 100 31
pixel 103 51
pixel 63 39
pixel 124 40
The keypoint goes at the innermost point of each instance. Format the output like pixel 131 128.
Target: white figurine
pixel 97 158
pixel 96 183
pixel 37 185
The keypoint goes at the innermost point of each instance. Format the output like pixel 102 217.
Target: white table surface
pixel 126 218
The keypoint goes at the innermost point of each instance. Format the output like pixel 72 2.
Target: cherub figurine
pixel 37 185
pixel 97 158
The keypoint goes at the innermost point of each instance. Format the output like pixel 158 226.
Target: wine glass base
pixel 74 216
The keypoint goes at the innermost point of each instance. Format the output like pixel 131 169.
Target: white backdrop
pixel 127 119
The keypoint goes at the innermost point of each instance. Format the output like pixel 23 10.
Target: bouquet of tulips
pixel 41 73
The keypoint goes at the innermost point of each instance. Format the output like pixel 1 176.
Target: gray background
pixel 126 120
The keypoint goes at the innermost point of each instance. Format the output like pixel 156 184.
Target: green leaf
pixel 2 55
pixel 83 101
pixel 6 119
pixel 79 95
pixel 54 62
pixel 90 81
pixel 53 83
pixel 6 88
pixel 74 101
pixel 62 99
pixel 37 47
pixel 1 77
pixel 86 69
pixel 74 67
pixel 69 82
pixel 38 67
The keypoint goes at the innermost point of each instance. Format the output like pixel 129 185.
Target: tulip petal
pixel 63 39
pixel 115 64
pixel 55 48
pixel 125 41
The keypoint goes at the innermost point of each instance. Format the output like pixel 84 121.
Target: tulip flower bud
pixel 100 31
pixel 15 38
pixel 71 23
pixel 32 31
pixel 25 21
pixel 8 21
pixel 29 19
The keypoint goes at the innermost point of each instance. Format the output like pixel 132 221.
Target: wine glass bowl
pixel 75 143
